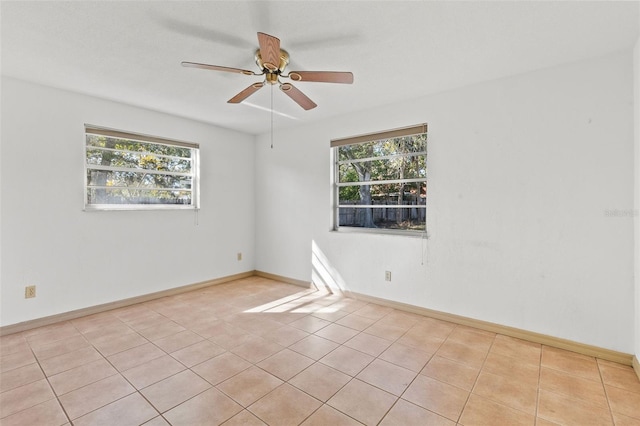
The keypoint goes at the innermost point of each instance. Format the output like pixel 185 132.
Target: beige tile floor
pixel 256 352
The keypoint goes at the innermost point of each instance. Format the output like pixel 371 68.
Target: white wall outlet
pixel 239 256
pixel 29 291
pixel 387 275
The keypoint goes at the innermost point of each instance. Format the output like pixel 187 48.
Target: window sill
pixel 129 207
pixel 378 231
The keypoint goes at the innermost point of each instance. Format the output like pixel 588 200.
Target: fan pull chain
pixel 272 116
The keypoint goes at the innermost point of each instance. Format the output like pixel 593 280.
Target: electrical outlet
pixel 239 256
pixel 387 275
pixel 29 291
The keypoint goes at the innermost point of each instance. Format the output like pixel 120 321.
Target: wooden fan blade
pixel 246 93
pixel 269 51
pixel 322 76
pixel 217 68
pixel 299 97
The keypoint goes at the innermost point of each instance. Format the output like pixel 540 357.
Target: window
pixel 381 181
pixel 126 171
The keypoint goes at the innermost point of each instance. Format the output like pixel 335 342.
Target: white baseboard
pixel 66 316
pixel 556 342
pixel 301 283
pixel 581 348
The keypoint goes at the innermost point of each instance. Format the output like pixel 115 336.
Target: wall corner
pixel 636 195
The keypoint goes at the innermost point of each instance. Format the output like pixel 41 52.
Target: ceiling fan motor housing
pixel 271 70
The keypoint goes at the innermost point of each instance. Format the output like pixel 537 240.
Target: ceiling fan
pixel 272 62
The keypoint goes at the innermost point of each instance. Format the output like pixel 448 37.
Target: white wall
pixel 524 173
pixel 79 259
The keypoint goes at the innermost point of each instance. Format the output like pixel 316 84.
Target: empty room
pixel 319 213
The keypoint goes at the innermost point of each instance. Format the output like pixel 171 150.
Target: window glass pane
pixel 132 145
pixel 136 180
pixel 381 148
pixel 398 218
pixel 401 193
pixel 121 196
pixel 401 167
pixel 101 157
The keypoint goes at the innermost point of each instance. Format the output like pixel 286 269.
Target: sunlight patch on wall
pixel 323 274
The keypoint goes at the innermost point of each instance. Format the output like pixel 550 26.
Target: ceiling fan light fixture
pixel 268 66
pixel 284 60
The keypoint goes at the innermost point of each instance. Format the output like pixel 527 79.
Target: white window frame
pixel 194 175
pixel 372 137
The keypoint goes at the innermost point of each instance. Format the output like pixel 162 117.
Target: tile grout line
pixel 416 376
pixel 138 391
pixel 57 397
pixel 475 382
pixel 118 372
pixel 606 393
pixel 315 362
pixel 162 414
pixel 535 419
pixel 287 381
pixel 352 378
pixel 374 358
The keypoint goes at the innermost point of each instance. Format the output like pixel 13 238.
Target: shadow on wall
pixel 323 275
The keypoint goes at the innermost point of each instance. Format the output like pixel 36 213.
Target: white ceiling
pixel 131 51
